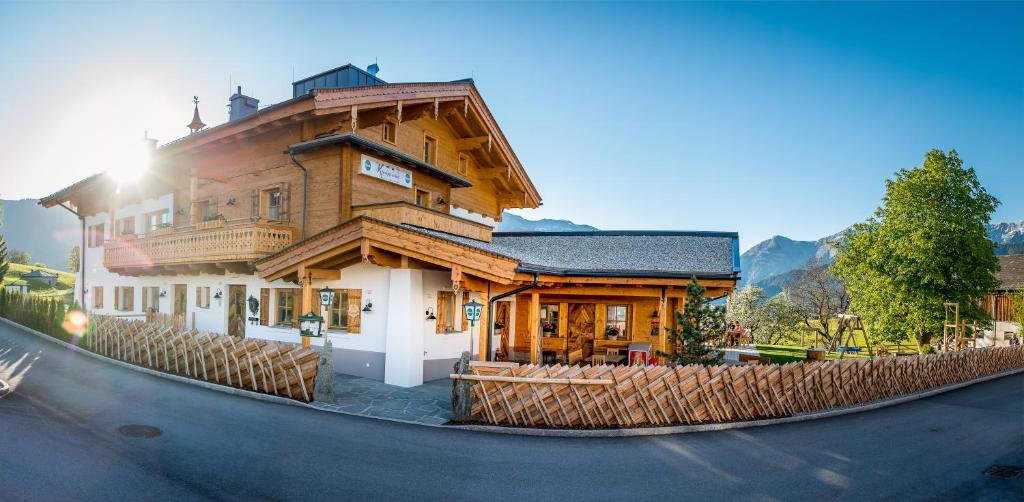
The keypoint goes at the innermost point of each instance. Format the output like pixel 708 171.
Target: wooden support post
pixel 485 324
pixel 534 328
pixel 663 308
pixel 306 282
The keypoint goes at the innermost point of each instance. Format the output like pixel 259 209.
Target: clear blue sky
pixel 759 118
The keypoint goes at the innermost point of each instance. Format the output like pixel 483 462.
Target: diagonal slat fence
pixel 263 366
pixel 637 396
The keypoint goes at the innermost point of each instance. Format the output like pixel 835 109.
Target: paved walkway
pixel 429 403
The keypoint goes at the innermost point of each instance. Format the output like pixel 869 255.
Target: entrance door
pixel 236 311
pixel 581 327
pixel 180 307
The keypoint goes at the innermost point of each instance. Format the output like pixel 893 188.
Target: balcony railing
pixel 208 242
pixel 411 214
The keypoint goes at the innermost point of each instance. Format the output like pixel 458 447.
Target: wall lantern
pixel 310 324
pixel 218 295
pixel 430 314
pixel 326 297
pixel 473 312
pixel 654 315
pixel 163 293
pixel 368 307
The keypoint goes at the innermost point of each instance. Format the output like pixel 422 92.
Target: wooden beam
pixel 324 274
pixel 642 291
pixel 471 143
pixel 484 326
pixel 534 328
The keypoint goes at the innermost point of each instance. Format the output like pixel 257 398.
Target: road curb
pixel 177 378
pixel 493 429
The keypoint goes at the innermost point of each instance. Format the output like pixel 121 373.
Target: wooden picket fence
pixel 622 396
pixel 259 365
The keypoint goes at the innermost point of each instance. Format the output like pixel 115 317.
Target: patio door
pixel 236 310
pixel 581 327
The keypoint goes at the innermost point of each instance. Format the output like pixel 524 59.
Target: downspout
pixel 81 257
pixel 490 308
pixel 305 183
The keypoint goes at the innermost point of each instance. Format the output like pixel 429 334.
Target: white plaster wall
pixel 447 345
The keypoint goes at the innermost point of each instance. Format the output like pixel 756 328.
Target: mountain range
pixel 770 264
pixel 46 234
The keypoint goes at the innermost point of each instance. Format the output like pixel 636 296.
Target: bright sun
pixel 104 131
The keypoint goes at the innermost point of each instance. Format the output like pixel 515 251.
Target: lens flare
pixel 76 322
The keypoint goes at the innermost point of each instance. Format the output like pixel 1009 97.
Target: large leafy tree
pixel 819 297
pixel 768 320
pixel 699 323
pixel 924 246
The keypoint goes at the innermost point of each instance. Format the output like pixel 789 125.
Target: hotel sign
pixel 385 171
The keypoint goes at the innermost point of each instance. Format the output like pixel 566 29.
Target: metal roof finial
pixel 196 124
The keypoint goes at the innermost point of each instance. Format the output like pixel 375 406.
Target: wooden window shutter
pixel 117 298
pixel 459 311
pixel 355 310
pixel 296 306
pixel 255 212
pixel 131 298
pixel 145 299
pixel 444 299
pixel 286 203
pixel 264 306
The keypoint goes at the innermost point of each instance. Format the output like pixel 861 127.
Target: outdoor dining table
pixel 615 359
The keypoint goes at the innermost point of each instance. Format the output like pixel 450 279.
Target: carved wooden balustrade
pixel 203 244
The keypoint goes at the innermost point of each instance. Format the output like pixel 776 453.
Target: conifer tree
pixel 699 323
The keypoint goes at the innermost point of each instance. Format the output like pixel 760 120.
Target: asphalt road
pixel 59 440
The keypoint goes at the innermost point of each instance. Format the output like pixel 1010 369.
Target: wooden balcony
pixel 410 214
pixel 209 246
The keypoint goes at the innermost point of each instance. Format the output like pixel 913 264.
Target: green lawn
pixel 781 354
pixel 65 280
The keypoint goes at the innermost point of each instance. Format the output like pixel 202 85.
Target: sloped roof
pixel 63 194
pixel 38 273
pixel 1011 273
pixel 636 253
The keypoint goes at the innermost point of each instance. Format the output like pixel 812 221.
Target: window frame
pixel 430 145
pixel 266 197
pixel 624 332
pixel 153 300
pixel 546 309
pixel 384 136
pixel 341 309
pixel 280 293
pixel 417 191
pixel 202 297
pixel 154 220
pixel 96 235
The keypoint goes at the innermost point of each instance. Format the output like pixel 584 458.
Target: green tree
pixel 699 323
pixel 1016 305
pixel 21 257
pixel 74 259
pixel 745 307
pixel 925 245
pixel 3 258
pixel 780 317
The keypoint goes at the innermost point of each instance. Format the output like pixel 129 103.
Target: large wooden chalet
pixel 389 194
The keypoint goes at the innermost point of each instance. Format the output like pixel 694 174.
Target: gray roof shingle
pixel 613 253
pixel 1011 273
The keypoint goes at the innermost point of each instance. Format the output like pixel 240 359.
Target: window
pixel 151 299
pixel 338 318
pixel 463 164
pixel 429 150
pixel 96 235
pixel 446 312
pixel 549 318
pixel 207 210
pixel 617 318
pixel 422 198
pixel 126 226
pixel 124 298
pixel 202 297
pixel 389 131
pixel 272 201
pixel 285 307
pixel 157 219
pixel 97 296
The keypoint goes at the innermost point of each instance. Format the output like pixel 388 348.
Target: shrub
pixel 39 313
pixel 927 349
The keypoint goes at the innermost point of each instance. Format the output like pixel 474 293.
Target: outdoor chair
pixel 597 359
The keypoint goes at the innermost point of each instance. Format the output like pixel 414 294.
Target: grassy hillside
pixel 65 280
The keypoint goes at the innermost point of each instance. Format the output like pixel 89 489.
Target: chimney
pixel 241 106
